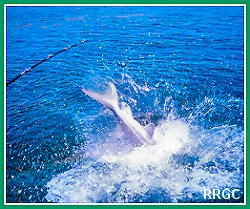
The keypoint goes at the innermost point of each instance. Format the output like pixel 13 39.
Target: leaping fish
pixel 140 135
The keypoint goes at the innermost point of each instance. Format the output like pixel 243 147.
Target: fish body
pixel 139 134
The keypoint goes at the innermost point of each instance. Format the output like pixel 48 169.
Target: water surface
pixel 183 70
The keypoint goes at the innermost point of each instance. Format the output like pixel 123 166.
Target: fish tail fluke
pixel 109 99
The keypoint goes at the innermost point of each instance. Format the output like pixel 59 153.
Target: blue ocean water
pixel 183 70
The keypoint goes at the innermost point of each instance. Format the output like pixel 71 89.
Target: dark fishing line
pixel 42 61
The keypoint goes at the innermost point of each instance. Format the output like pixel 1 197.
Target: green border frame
pixel 2 86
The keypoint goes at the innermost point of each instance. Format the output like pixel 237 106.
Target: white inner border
pixel 125 5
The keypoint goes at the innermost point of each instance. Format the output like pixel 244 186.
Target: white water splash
pixel 170 137
pixel 136 170
pixel 178 168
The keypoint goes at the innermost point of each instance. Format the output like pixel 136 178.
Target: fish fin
pixel 109 99
pixel 126 109
pixel 150 129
